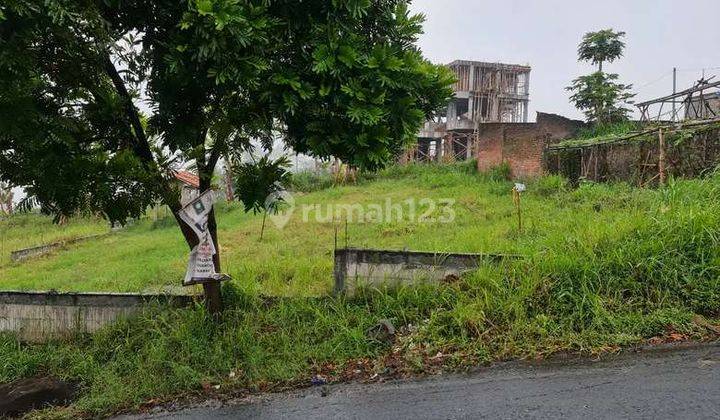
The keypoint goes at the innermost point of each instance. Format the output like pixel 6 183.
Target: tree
pixel 601 46
pixel 599 95
pixel 260 184
pixel 340 78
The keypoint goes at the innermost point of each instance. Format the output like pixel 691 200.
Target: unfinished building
pixel 484 93
pixel 488 92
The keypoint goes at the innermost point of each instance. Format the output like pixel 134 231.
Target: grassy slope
pixel 297 260
pixel 28 230
pixel 608 266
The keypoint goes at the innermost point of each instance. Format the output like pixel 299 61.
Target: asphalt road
pixel 677 384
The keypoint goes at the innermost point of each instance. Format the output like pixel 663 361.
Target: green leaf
pixel 204 7
pixel 358 8
pixel 347 56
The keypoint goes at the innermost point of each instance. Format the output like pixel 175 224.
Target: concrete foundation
pixel 379 268
pixel 40 316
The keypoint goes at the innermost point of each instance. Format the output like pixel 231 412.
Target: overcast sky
pixel 661 34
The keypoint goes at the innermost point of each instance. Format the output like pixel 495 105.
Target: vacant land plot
pixel 297 259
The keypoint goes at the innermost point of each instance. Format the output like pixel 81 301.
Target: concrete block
pixel 356 268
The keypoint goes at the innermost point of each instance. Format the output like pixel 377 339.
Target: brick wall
pixel 521 144
pixel 489 146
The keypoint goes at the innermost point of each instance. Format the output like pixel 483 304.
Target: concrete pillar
pixel 526 105
pixel 451 111
pixel 471 99
pixel 472 79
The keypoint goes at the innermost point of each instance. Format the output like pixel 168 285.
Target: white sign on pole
pixel 200 267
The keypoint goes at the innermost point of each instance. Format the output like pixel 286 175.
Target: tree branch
pixel 212 160
pixel 140 146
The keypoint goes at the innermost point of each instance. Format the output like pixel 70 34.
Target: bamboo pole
pixel 596 152
pixel 516 199
pixel 661 160
pixel 668 129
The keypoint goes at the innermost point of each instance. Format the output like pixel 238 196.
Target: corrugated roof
pixel 187 178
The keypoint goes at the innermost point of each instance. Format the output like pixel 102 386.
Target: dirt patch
pixel 19 397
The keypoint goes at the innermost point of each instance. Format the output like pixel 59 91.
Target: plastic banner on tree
pixel 201 268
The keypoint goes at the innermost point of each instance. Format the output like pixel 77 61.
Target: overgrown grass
pixel 297 260
pixel 608 130
pixel 606 266
pixel 260 345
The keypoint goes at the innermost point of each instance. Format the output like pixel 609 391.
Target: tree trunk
pixel 213 296
pixel 187 232
pixel 229 190
pixel 262 229
pixel 211 290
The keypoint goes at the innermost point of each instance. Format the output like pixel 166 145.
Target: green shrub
pixel 550 185
pixel 607 130
pixel 309 181
pixel 501 172
pixel 431 169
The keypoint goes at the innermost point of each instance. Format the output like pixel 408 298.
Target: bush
pixel 309 181
pixel 502 172
pixel 608 130
pixel 550 185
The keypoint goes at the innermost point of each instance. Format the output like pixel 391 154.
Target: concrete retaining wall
pixel 379 268
pixel 39 316
pixel 36 251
